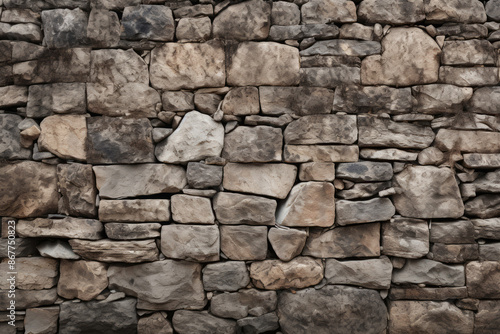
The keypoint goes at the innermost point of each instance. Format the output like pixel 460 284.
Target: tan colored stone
pixel 317 171
pixel 328 11
pixel 370 274
pixel 32 273
pixel 322 129
pixel 41 320
pixel 320 153
pixel 241 101
pixel 191 242
pixel 77 186
pixel 122 231
pixel 299 273
pixel 287 243
pixel 273 180
pixel 64 136
pixel 394 12
pixel 406 50
pixel 308 204
pixel 155 323
pixel 405 237
pixel 68 227
pixel 253 144
pixel 234 209
pixel 84 280
pixel 241 242
pixel 468 141
pixel 116 251
pixel 253 64
pixel 192 209
pixel 462 11
pixel 483 279
pixel 469 76
pixel 134 210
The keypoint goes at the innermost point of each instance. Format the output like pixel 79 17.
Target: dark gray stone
pixel 459 232
pixel 65 28
pixel 354 99
pixel 200 175
pixel 255 325
pixel 483 206
pixel 365 171
pixel 98 317
pixel 10 138
pixel 119 140
pixel 148 22
pixel 225 276
pixel 454 253
pixel 337 309
pixel 393 12
pixel 60 98
pixel 192 322
pixel 78 190
pixel 120 231
pixel 358 212
pixel 253 144
pixel 298 32
pixel 295 100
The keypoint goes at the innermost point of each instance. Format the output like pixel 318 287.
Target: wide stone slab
pixel 440 98
pixel 470 52
pixel 168 284
pixel 405 237
pixel 354 98
pixel 120 181
pixel 116 251
pixel 468 76
pixel 253 64
pixel 338 309
pixel 454 11
pixel 434 294
pixel 59 98
pixel 327 11
pixel 98 317
pixel 483 279
pixel 69 227
pixel 320 153
pixel 483 206
pixel 197 137
pixel 484 160
pixel 245 21
pixel 429 317
pixel 28 189
pixel 123 231
pixel 406 50
pixel 176 66
pixel 308 204
pixel 299 273
pixel 370 274
pixel 190 242
pixel 394 12
pixel 455 253
pixel 295 100
pixel 253 144
pixel 64 136
pixel 84 280
pixel 459 232
pixel 382 132
pixel 234 209
pixel 134 210
pixel 429 272
pixel 241 242
pixel 225 276
pixel 275 180
pixel 366 171
pixel 468 141
pixel 329 77
pixel 344 242
pixel 114 140
pixel 427 192
pixel 487 228
pixel 285 32
pixel 322 129
pixel 188 322
pixel 358 212
pixel 237 305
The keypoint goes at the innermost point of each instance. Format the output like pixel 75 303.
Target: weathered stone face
pixel 136 210
pixel 430 272
pixel 234 209
pixel 64 136
pixel 454 11
pixel 427 192
pixel 82 279
pixel 190 242
pixel 225 276
pixel 482 279
pixel 244 21
pixel 322 129
pixel 186 322
pixel 120 231
pixel 295 100
pixel 155 323
pixel 105 250
pixel 10 138
pixel 59 98
pixel 28 189
pixel 308 204
pixel 253 144
pixel 65 28
pixel 148 22
pixel 362 311
pixel 365 171
pixel 197 137
pixel 357 212
pixel 187 66
pixel 371 274
pixel 327 11
pixel 353 98
pixel 287 243
pixel 392 11
pixel 320 153
pixel 167 284
pixel 405 237
pixel 251 65
pixel 68 227
pixel 34 273
pixel 241 242
pixel 243 303
pixel 406 50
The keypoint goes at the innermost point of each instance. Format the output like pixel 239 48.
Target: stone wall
pixel 322 166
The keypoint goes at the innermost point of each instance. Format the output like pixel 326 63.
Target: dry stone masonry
pixel 251 166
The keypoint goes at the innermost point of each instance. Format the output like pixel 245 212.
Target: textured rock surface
pixel 243 303
pixel 116 251
pixel 287 243
pixel 241 242
pixel 59 98
pixel 429 272
pixel 295 100
pixel 406 237
pixel 82 279
pixel 190 242
pixel 482 279
pixel 322 129
pixel 77 186
pixel 64 136
pixel 33 273
pixel 192 209
pixel 253 144
pixel 225 276
pixel 68 227
pixel 391 12
pixel 234 209
pixel 357 212
pixel 365 309
pixel 365 171
pixel 186 322
pixel 10 138
pixel 326 11
pixel 154 210
pixel 371 274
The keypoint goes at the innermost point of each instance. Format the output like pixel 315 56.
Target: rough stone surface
pixel 344 242
pixel 120 181
pixel 308 204
pixel 186 322
pixel 275 180
pixel 455 11
pixel 28 189
pixel 148 22
pixel 167 284
pixel 136 210
pixel 192 209
pixel 327 11
pixel 241 101
pixel 234 209
pixel 65 28
pixel 299 273
pixel 245 21
pixel 194 29
pixel 190 242
pixel 121 231
pixel 202 176
pixel 197 137
pixel 253 144
pixel 468 76
pixel 342 47
pixel 107 144
pixel 243 303
pixel 354 98
pixel 317 171
pixel 467 141
pixel 441 98
pixel 365 171
pixel 375 131
pixel 320 153
pixel 358 212
pixel 64 136
pixel 455 253
pixel 486 320
pixel 329 77
pixel 59 98
pixel 484 100
pixel 406 50
pixel 10 138
pixel 396 12
pixel 241 242
pixel 429 272
pixel 69 227
pixel 177 66
pixel 427 192
pixel 429 317
pixel 58 249
pixel 295 100
pixel 98 317
pixel 82 279
pixel 406 237
pixel 77 187
pixel 287 243
pixel 483 279
pixel 251 65
pixel 105 250
pixel 225 276
pixel 365 309
pixel 322 129
pixel 155 323
pixel 371 274
pixel 33 273
pixel 41 320
pixel 471 52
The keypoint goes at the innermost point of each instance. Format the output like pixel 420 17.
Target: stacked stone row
pixel 322 166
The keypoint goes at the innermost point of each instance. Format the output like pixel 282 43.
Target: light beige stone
pixel 84 280
pixel 190 242
pixel 234 209
pixel 287 243
pixel 105 250
pixel 328 11
pixel 33 273
pixel 134 210
pixel 68 227
pixel 468 141
pixel 320 153
pixel 241 242
pixel 406 238
pixel 192 209
pixel 64 136
pixel 317 171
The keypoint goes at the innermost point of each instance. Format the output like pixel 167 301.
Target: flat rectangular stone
pixel 440 98
pixel 353 99
pixel 458 232
pixel 320 153
pixel 478 160
pixel 487 228
pixel 344 242
pixel 295 100
pixel 297 32
pixel 371 274
pixel 405 237
pixel 367 171
pixel 329 77
pixel 376 131
pixel 388 154
pixel 428 293
pixel 322 129
pixel 134 210
pixel 358 212
pixel 69 227
pixel 191 242
pixel 469 52
pixel 424 271
pixel 489 252
pixel 343 47
pixel 106 250
pixel 329 61
pixel 123 231
pixel 13 96
pixel 469 76
pixel 233 209
pixel 468 141
pixel 460 253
